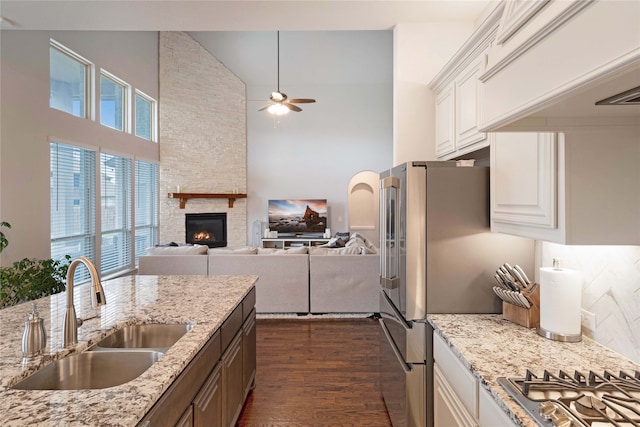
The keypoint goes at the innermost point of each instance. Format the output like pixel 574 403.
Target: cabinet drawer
pixel 457 375
pixel 490 414
pixel 248 303
pixel 231 326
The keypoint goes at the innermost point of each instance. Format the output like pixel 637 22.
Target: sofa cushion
pixel 178 250
pixel 350 250
pixel 234 251
pixel 289 251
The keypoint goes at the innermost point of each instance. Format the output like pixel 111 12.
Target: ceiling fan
pixel 279 102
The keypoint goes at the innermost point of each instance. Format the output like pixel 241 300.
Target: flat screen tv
pixel 298 216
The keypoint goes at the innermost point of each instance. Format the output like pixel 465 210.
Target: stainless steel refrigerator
pixel 438 255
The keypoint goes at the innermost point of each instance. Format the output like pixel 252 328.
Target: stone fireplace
pixel 203 141
pixel 206 229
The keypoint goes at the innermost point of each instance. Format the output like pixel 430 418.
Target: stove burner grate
pixel 580 399
pixel 590 406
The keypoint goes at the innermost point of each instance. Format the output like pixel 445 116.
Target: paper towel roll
pixel 560 300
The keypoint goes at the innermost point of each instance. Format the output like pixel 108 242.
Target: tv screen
pixel 298 216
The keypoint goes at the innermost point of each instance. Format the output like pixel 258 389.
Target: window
pixel 113 101
pixel 69 77
pixel 145 116
pixel 146 207
pixel 115 186
pixel 73 208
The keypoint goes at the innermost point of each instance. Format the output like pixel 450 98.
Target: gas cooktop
pixel 578 400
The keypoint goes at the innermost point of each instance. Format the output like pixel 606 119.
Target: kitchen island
pixel 489 347
pixel 203 302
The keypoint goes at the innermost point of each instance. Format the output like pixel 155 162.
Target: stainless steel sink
pixel 151 336
pixel 90 370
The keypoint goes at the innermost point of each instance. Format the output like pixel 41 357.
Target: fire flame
pixel 203 235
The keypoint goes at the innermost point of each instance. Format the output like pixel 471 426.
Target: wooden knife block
pixel 527 317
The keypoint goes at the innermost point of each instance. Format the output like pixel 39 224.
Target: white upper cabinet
pixel 456 89
pixel 523 177
pixel 445 123
pixel 552 60
pixel 578 187
pixel 467 105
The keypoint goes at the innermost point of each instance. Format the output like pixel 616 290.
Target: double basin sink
pixel 116 359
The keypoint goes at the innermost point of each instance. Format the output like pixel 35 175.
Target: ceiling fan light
pixel 278 96
pixel 278 109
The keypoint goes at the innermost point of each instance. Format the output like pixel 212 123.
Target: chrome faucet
pixel 71 323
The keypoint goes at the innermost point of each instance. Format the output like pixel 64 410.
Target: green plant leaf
pixel 30 279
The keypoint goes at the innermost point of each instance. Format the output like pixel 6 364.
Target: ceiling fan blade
pixel 301 101
pixel 264 108
pixel 292 107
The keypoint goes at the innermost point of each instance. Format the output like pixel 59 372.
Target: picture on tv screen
pixel 298 216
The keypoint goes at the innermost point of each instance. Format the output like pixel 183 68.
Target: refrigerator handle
pixel 385 281
pixel 406 367
pixel 399 318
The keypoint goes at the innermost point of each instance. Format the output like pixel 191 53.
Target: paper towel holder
pixel 555 335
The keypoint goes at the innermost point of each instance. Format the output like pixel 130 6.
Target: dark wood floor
pixel 316 373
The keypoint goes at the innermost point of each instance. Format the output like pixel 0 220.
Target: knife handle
pixel 522 273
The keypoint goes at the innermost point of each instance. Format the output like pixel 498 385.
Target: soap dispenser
pixel 34 338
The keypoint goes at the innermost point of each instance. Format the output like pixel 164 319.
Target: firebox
pixel 206 229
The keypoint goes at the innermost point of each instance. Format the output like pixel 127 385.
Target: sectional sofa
pixel 297 280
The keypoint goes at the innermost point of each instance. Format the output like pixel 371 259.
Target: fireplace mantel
pixel 186 196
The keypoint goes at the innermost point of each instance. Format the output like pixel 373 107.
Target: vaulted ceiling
pixel 232 15
pixel 322 42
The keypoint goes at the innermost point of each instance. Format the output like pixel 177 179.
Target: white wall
pixel 28 123
pixel 420 51
pixel 314 153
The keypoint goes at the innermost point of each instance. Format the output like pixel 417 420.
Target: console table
pixel 287 242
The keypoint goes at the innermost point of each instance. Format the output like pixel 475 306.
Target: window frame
pixel 92 109
pixel 126 101
pixel 154 207
pixel 127 212
pixel 91 216
pixel 89 81
pixel 153 119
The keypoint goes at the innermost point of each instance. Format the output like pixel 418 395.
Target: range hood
pixel 572 64
pixel 628 97
pixel 601 100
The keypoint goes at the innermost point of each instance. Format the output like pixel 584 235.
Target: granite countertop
pixel 491 347
pixel 202 301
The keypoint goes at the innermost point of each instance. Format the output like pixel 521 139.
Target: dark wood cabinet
pixel 213 387
pixel 249 353
pixel 207 406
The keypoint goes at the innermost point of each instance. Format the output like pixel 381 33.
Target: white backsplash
pixel 610 290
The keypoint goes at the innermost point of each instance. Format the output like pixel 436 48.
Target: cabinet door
pixel 445 130
pixel 523 179
pixel 447 408
pixel 207 405
pixel 186 420
pixel 232 380
pixel 249 353
pixel 467 104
